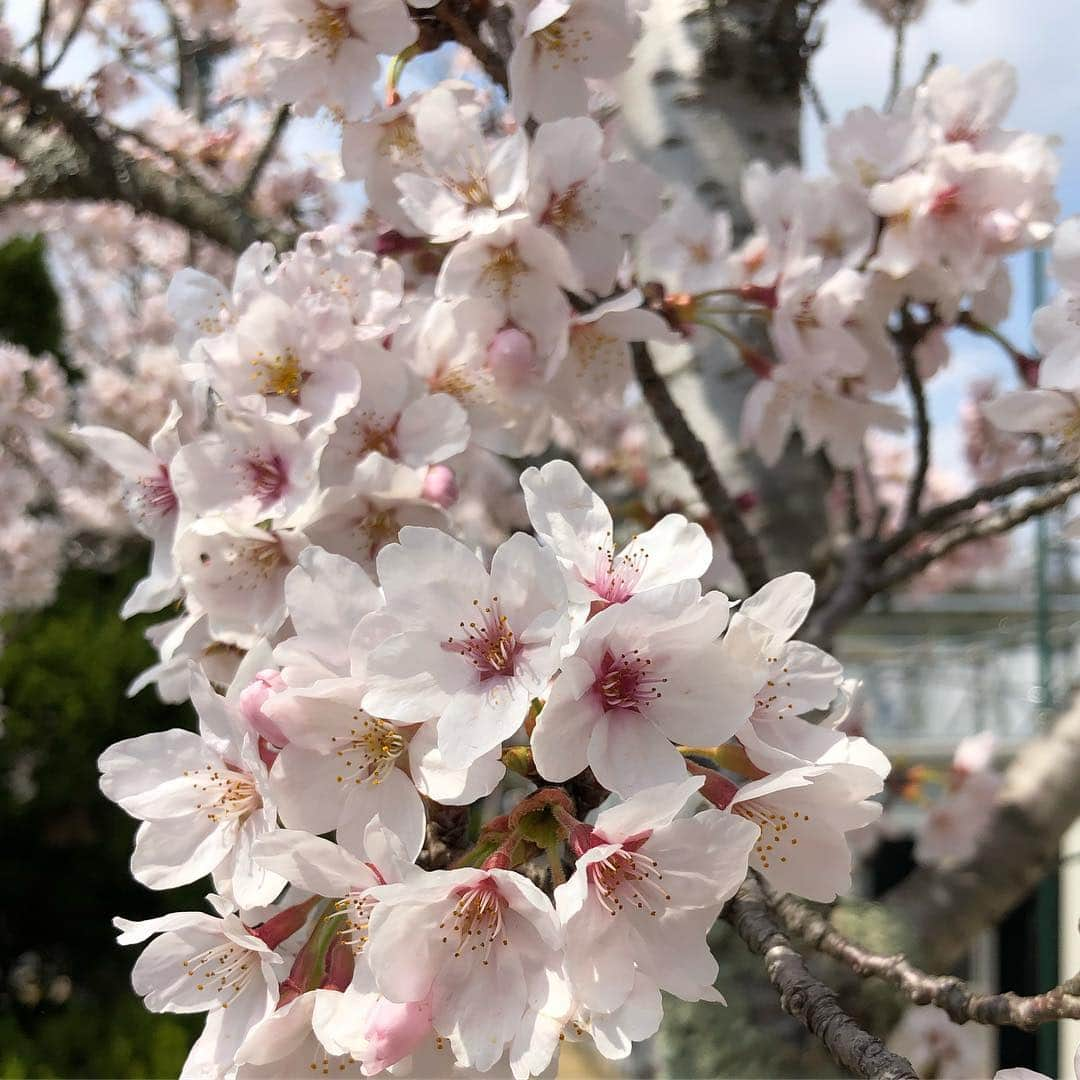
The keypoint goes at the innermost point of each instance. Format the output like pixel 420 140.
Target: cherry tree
pixel 482 749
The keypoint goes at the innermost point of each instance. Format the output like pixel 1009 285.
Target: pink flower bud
pixel 440 486
pixel 394 1031
pixel 511 356
pixel 253 697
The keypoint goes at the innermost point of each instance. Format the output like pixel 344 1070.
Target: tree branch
pixel 922 426
pixel 896 82
pixel 945 991
pixel 39 39
pixel 465 34
pixel 78 160
pixel 939 515
pixel 804 996
pixel 942 909
pixel 266 152
pixel 690 450
pixel 69 38
pixel 992 524
pixel 865 569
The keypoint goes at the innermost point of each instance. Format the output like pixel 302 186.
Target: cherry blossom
pixel 479 944
pixel 151 502
pixel 571 519
pixel 646 888
pixel 643 673
pixel 205 963
pixel 802 815
pixel 472 648
pixel 323 55
pixel 203 800
pixel 468 184
pixel 589 202
pixel 564 42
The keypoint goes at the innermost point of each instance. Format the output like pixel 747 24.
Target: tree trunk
pixel 713 87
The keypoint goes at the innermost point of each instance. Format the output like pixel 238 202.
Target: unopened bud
pixel 394 1031
pixel 284 924
pixel 746 501
pixel 254 697
pixel 511 356
pixel 440 486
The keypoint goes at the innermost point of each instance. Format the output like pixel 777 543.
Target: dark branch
pixel 73 32
pixel 805 997
pixel 78 159
pixel 937 516
pixel 993 524
pixel 43 30
pixel 266 152
pixel 867 565
pixel 945 991
pixel 690 450
pixel 922 426
pixel 464 33
pixel 896 82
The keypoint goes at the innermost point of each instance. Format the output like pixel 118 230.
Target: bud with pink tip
pixel 511 356
pixel 267 683
pixel 440 486
pixel 394 1032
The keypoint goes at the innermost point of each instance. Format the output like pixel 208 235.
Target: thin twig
pixel 945 991
pixel 691 451
pixel 929 67
pixel 938 516
pixel 992 524
pixel 903 14
pixel 851 496
pixel 69 38
pixel 39 40
pixel 817 102
pixel 805 996
pixel 266 152
pixel 865 567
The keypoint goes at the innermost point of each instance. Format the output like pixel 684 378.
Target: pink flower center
pixel 946 201
pixel 476 920
pixel 628 879
pixel 267 478
pixel 487 642
pixel 616 576
pixel 625 682
pixel 157 493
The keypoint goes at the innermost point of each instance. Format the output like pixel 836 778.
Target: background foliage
pixel 66 1007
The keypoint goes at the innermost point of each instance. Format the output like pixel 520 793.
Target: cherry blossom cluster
pixel 464 793
pixel 1051 407
pixel 905 238
pixel 376 706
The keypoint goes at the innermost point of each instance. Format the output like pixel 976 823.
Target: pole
pixel 1047 899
